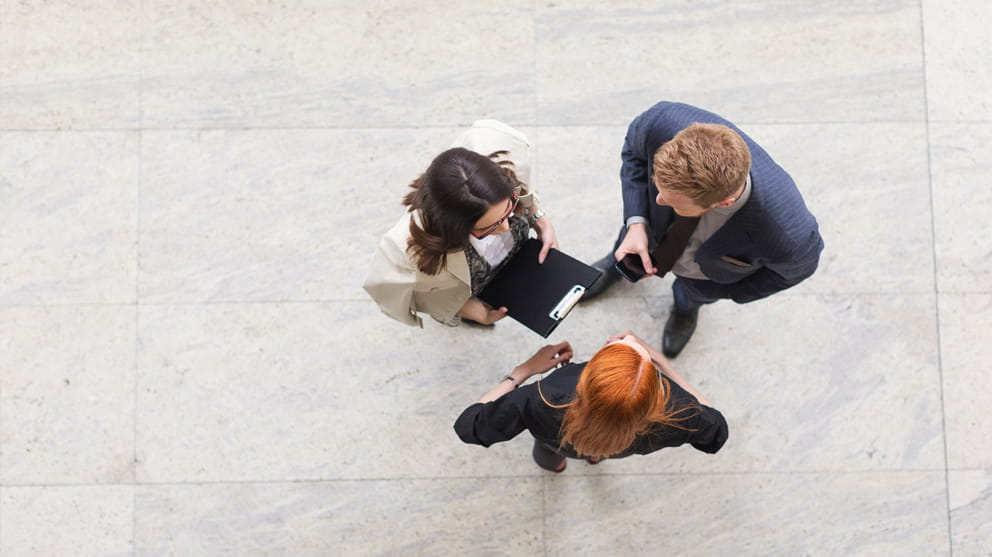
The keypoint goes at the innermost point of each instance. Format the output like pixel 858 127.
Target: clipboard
pixel 539 295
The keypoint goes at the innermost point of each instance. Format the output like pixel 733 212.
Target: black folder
pixel 539 295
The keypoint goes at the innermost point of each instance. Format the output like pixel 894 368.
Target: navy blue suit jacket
pixel 770 244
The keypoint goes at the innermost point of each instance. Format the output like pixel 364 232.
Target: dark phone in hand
pixel 630 267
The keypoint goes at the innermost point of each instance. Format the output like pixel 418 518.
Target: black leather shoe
pixel 609 276
pixel 678 331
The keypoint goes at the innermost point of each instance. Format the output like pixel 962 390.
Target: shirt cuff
pixel 636 220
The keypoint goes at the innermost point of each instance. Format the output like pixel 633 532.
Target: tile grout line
pixel 457 126
pixel 2 19
pixel 1 382
pixel 535 475
pixel 936 279
pixel 167 303
pixel 137 279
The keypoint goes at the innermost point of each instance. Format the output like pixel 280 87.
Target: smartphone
pixel 630 267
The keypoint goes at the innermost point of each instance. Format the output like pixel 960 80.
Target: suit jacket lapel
pixel 736 234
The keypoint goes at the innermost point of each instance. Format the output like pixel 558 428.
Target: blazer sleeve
pixel 772 277
pixel 634 180
pixel 711 431
pixel 391 281
pixel 493 422
pixel 649 131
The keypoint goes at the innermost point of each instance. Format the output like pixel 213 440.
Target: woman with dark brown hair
pixel 626 400
pixel 466 216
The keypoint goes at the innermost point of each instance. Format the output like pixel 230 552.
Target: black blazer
pixel 771 243
pixel 520 409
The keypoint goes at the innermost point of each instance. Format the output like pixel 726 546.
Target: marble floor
pixel 190 193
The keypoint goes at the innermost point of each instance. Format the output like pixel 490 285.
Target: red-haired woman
pixel 626 400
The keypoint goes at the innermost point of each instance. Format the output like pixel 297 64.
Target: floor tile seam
pixel 137 274
pixel 620 123
pixel 936 281
pixel 979 468
pixel 167 304
pixel 530 476
pixel 68 304
pixel 2 19
pixel 839 295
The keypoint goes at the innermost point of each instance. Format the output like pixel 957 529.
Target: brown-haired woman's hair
pixel 457 189
pixel 706 162
pixel 619 396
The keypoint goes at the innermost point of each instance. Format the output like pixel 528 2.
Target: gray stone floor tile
pixel 346 63
pixel 961 201
pixel 958 59
pixel 970 493
pixel 190 195
pixel 70 65
pixel 271 215
pixel 67 394
pixel 578 167
pixel 753 514
pixel 312 391
pixel 382 517
pixel 68 231
pixel 965 328
pixel 867 185
pixel 598 63
pixel 67 520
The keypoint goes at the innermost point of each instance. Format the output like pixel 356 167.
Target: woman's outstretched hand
pixel 542 360
pixel 547 358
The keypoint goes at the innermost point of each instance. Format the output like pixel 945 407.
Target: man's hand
pixel 636 241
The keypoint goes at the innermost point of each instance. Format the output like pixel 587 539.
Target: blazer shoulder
pixel 659 124
pixel 778 216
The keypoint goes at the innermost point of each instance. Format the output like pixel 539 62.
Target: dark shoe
pixel 609 276
pixel 678 331
pixel 474 323
pixel 594 460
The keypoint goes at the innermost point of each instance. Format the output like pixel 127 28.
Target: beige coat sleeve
pixel 401 290
pixel 391 280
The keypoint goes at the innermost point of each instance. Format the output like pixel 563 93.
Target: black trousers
pixel 547 456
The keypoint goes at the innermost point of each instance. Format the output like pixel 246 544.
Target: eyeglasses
pixel 487 231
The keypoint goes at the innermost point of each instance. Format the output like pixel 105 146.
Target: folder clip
pixel 567 302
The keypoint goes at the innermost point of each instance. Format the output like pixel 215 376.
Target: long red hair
pixel 619 396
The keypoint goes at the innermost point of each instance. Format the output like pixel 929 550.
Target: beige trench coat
pixel 394 281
